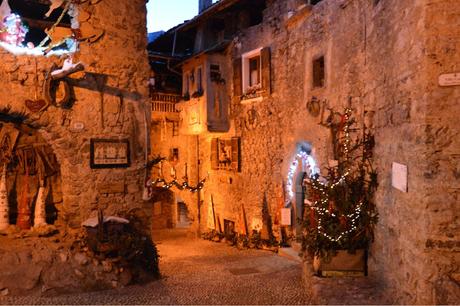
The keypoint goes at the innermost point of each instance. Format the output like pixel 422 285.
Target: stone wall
pixel 120 58
pixel 386 57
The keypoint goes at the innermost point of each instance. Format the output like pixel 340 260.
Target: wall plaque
pixel 113 187
pixel 399 177
pixel 449 79
pixel 109 153
pixel 285 216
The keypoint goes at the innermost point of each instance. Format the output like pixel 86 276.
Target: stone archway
pixel 302 166
pixel 31 176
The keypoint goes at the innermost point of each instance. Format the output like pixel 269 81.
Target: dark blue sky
pixel 165 14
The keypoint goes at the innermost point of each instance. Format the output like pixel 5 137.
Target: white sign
pixel 285 216
pixel 399 177
pixel 449 79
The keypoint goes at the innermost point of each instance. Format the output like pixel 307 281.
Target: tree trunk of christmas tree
pixel 4 211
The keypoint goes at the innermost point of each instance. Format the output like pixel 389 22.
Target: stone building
pixel 73 120
pixel 250 80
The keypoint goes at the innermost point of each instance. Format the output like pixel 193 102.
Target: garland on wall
pixel 163 183
pixel 340 213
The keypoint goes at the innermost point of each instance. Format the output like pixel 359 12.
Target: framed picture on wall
pixel 109 153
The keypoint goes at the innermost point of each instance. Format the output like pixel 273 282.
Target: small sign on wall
pixel 449 79
pixel 285 216
pixel 399 176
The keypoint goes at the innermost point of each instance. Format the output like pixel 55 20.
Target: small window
pixel 252 75
pixel 174 155
pixel 314 2
pixel 251 72
pixel 318 72
pixel 215 73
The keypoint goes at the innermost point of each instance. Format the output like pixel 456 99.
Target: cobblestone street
pixel 196 271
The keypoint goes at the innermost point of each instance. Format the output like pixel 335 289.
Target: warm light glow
pixel 309 166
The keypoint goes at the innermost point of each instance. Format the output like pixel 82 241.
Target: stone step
pixel 290 253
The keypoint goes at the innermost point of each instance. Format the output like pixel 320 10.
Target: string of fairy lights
pixel 308 162
pixel 325 188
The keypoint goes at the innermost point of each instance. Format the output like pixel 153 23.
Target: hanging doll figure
pixel 40 206
pixel 12 30
pixel 4 211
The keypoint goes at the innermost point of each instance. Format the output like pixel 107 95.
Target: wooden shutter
pixel 237 77
pixel 266 78
pixel 214 154
pixel 236 154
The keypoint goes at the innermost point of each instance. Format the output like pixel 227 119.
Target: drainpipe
pixel 198 179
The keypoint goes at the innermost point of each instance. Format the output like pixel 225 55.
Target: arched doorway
pixel 169 210
pixel 30 176
pixel 302 167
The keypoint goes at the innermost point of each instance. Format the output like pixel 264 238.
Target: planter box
pixel 343 264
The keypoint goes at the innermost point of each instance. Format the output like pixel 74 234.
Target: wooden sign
pixel 285 216
pixel 449 79
pixel 399 177
pixel 112 187
pixel 109 153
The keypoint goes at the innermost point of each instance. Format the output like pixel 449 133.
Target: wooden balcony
pixel 164 106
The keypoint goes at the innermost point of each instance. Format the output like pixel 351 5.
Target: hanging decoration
pixel 163 183
pixel 251 120
pixel 341 214
pixel 40 206
pixel 309 165
pixel 5 10
pixel 4 207
pixel 37 104
pixel 12 30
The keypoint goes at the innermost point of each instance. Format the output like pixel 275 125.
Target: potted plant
pixel 340 218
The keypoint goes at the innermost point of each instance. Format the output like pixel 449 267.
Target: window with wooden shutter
pixel 237 77
pixel 236 165
pixel 214 154
pixel 225 154
pixel 266 74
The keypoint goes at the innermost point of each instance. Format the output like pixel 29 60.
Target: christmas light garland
pixel 308 163
pixel 174 183
pixel 325 188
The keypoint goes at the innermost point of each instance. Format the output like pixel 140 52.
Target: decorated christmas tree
pixel 340 213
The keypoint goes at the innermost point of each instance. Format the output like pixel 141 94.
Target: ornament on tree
pixel 343 215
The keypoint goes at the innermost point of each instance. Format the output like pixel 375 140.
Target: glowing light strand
pixel 323 188
pixel 309 163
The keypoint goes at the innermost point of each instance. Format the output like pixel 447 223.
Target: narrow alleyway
pixel 196 271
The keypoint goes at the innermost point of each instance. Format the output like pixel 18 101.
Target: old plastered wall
pixel 121 58
pixel 386 57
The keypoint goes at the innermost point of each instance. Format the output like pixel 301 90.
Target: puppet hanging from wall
pixel 8 138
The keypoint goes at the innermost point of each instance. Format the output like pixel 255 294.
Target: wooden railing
pixel 165 103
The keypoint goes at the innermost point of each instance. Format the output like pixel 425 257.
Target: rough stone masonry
pixel 107 103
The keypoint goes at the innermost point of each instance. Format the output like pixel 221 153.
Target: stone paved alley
pixel 196 271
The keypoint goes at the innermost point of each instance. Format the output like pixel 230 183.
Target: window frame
pixel 245 58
